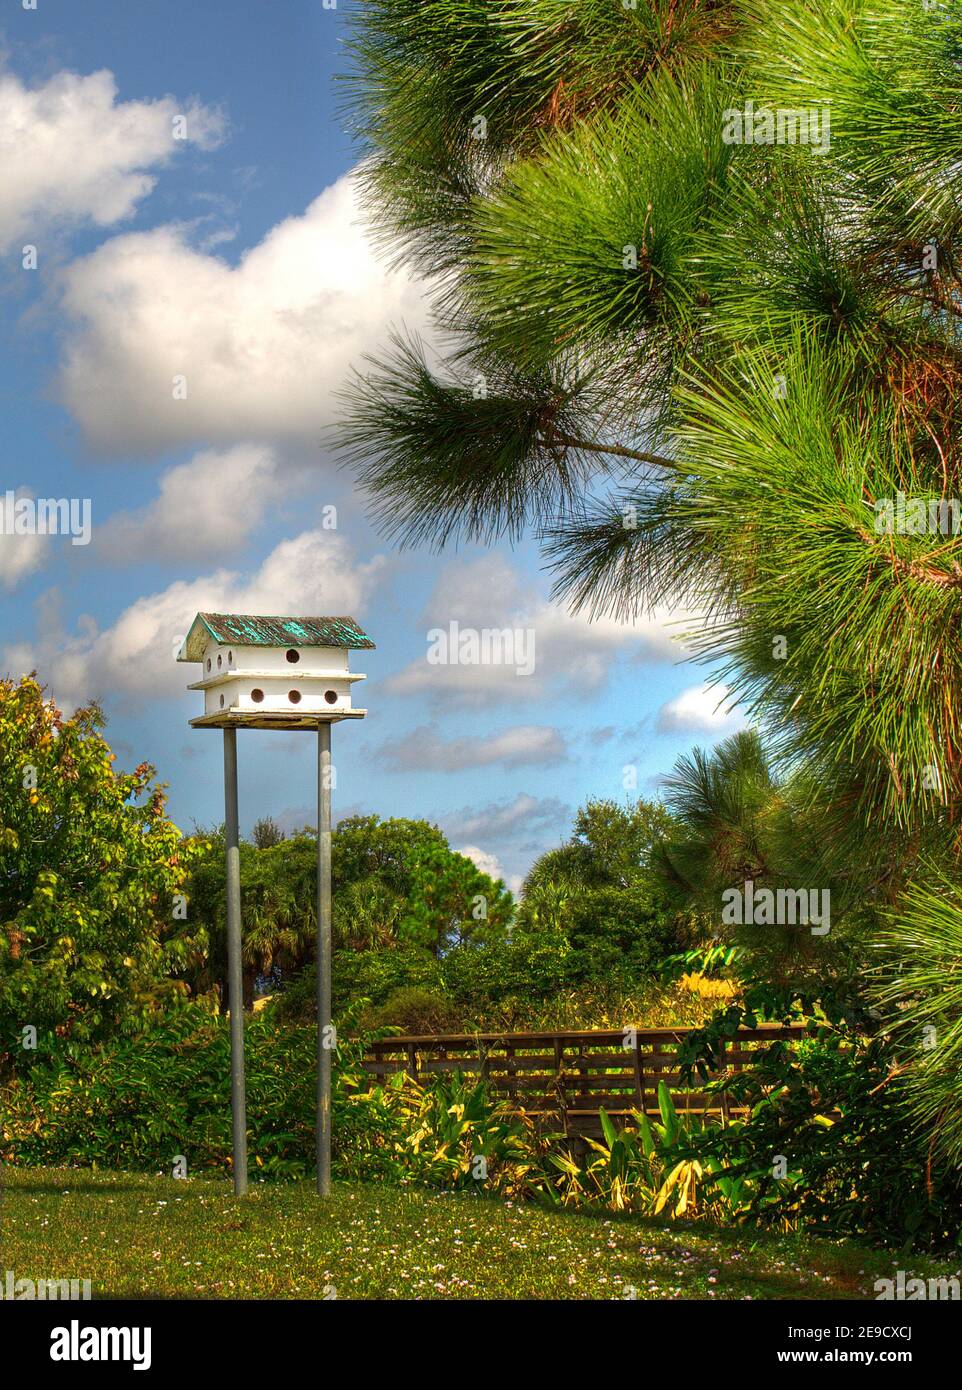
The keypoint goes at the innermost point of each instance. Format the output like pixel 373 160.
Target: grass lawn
pixel 135 1236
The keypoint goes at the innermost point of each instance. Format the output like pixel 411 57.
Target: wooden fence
pixel 567 1077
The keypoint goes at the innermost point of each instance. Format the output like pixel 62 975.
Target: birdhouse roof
pixel 247 630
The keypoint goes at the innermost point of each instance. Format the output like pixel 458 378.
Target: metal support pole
pixel 235 974
pixel 325 1036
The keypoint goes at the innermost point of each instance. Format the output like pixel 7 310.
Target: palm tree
pixel 726 804
pixel 545 905
pixel 278 929
pixel 367 915
pixel 736 823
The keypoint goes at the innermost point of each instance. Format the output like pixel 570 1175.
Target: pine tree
pixel 698 275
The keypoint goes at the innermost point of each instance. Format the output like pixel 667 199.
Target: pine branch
pixel 615 450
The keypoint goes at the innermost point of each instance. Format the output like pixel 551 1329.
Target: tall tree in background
pixel 600 894
pixel 705 368
pixel 610 845
pixel 734 823
pixel 396 883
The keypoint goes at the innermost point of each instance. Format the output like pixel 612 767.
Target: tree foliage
pixel 920 990
pixel 395 883
pixel 744 346
pixel 735 822
pixel 92 880
pixel 704 371
pixel 599 895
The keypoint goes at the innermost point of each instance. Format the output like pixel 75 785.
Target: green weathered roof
pixel 250 630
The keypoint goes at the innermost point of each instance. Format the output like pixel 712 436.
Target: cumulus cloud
pixel 22 555
pixel 315 572
pixel 701 709
pixel 260 348
pixel 490 864
pixel 72 154
pixel 564 652
pixel 509 820
pixel 425 750
pixel 207 506
pixel 487 863
pixel 510 833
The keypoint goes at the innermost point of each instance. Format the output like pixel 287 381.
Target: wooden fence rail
pixel 568 1077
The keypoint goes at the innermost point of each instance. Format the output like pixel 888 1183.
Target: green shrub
pixel 137 1104
pixel 412 1009
pixel 621 934
pixel 456 1134
pixel 498 982
pixel 855 1166
pixel 525 968
pixel 89 867
pixel 854 1163
pixel 297 1001
pixel 373 976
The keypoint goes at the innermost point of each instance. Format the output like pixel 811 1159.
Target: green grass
pixel 136 1236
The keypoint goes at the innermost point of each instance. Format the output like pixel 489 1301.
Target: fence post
pixel 559 1073
pixel 639 1073
pixel 511 1071
pixel 380 1075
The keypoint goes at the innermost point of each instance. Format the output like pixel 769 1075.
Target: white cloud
pixel 205 507
pixel 71 154
pixel 424 750
pixel 315 572
pixel 701 709
pixel 19 555
pixel 263 345
pixel 510 833
pixel 507 821
pixel 487 863
pixel 571 653
pixel 490 864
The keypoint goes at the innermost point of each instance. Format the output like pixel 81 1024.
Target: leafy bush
pixel 621 933
pixel 414 1010
pixel 137 1104
pixel 525 969
pixel 522 984
pixel 371 976
pixel 455 1134
pixel 647 1004
pixel 634 1168
pixel 854 1165
pixel 91 876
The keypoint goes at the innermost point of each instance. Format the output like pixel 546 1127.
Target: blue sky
pixel 183 173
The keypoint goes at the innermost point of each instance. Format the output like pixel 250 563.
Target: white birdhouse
pixel 273 673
